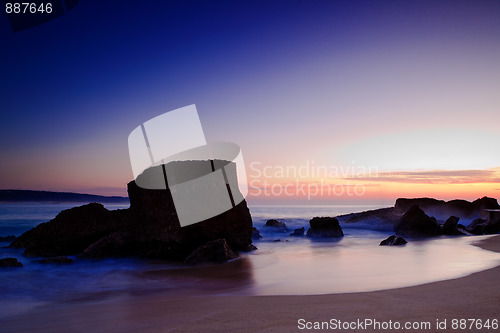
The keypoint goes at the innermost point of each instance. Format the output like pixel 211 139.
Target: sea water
pixel 288 265
pixel 282 265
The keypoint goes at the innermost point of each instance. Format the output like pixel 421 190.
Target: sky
pixel 371 100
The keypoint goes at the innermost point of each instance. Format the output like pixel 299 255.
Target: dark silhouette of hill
pixel 48 196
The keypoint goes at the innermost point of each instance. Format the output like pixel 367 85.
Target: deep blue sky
pixel 289 81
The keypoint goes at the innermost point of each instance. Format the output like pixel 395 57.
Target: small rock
pixel 298 232
pixel 324 227
pixel 461 230
pixel 216 251
pixel 476 227
pixel 393 241
pixel 56 260
pixel 277 225
pixel 10 262
pixel 255 233
pixel 7 238
pixel 415 223
pixel 450 225
pixel 481 227
pixel 116 244
pixel 249 248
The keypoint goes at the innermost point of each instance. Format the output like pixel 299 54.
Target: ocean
pixel 282 265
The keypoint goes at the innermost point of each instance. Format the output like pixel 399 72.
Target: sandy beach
pixel 476 296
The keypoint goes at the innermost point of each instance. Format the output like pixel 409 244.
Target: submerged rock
pixel 216 251
pixel 10 262
pixel 484 227
pixel 298 232
pixel 415 223
pixel 250 247
pixel 477 226
pixel 117 244
pixel 460 230
pixel 277 226
pixel 393 241
pixel 324 227
pixel 57 260
pixel 7 238
pixel 382 219
pixel 450 226
pixel 256 234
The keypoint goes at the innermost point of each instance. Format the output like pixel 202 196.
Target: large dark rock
pixel 484 227
pixel 149 228
pixel 216 251
pixel 70 232
pixel 493 227
pixel 324 227
pixel 277 226
pixel 477 226
pixel 403 204
pixel 415 223
pixel 393 241
pixel 10 262
pixel 158 233
pixel 298 232
pixel 117 244
pixel 450 226
pixel 491 215
pixel 485 203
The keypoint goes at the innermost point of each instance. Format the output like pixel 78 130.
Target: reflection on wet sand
pixel 231 277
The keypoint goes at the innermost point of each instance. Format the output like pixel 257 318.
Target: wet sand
pixel 475 296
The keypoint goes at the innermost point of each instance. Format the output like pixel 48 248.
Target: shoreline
pixel 474 296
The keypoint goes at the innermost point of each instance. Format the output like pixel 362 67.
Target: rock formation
pixel 216 251
pixel 484 227
pixel 56 260
pixel 443 209
pixel 415 223
pixel 298 232
pixel 277 226
pixel 388 218
pixel 393 241
pixel 449 227
pixel 256 234
pixel 149 228
pixel 70 232
pixel 10 262
pixel 324 227
pixel 382 219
